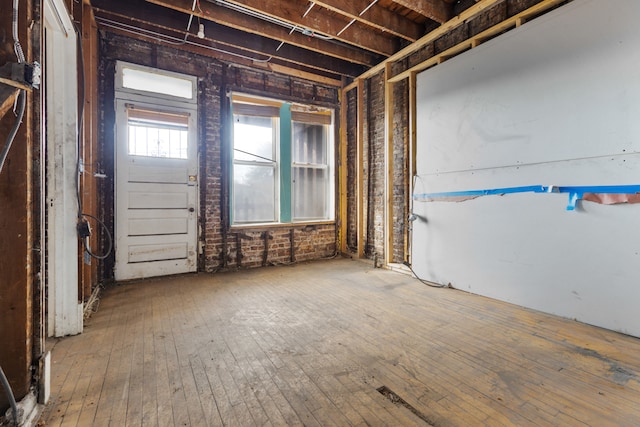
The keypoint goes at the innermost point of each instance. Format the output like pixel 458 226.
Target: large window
pixel 254 168
pixel 282 162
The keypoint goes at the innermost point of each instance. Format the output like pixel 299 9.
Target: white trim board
pixel 61 94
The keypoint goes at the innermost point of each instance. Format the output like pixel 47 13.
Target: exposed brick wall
pixel 487 19
pixel 375 166
pixel 246 247
pixel 374 150
pixel 352 162
pixel 106 120
pixel 484 20
pixel 400 167
pixel 215 79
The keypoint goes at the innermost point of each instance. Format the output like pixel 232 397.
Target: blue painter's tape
pixel 576 193
pixel 573 200
pixel 490 192
pixel 601 189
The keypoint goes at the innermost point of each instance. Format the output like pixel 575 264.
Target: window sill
pixel 273 225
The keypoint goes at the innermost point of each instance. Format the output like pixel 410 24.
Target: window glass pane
pixel 157 139
pixel 157 83
pixel 309 193
pixel 253 193
pixel 253 138
pixel 309 143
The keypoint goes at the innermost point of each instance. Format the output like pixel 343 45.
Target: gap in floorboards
pixel 397 400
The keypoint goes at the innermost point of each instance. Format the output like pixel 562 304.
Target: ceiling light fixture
pixel 201 31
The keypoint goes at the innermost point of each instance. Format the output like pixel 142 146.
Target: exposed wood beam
pixel 454 22
pixel 255 46
pixel 388 166
pixel 229 57
pixel 256 26
pixel 413 163
pixel 323 23
pixel 478 38
pixel 282 69
pixel 376 16
pixel 342 176
pixel 436 10
pixel 8 95
pixel 360 222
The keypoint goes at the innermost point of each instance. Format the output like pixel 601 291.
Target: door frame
pixel 161 102
pixel 65 311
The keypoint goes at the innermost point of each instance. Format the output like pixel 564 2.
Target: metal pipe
pixel 268 18
pixel 304 15
pixel 169 39
pixel 360 14
pixel 368 7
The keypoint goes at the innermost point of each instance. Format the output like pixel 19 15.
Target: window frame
pixel 326 167
pixel 284 164
pixel 120 88
pixel 274 164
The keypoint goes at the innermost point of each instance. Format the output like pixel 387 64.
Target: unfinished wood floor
pixel 310 345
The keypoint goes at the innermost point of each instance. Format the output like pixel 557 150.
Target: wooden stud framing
pixel 471 12
pixel 88 273
pixel 413 147
pixel 454 22
pixel 512 22
pixel 359 171
pixel 8 95
pixel 343 172
pixel 411 73
pixel 413 121
pixel 388 164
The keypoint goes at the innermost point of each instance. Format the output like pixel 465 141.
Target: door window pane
pixel 157 134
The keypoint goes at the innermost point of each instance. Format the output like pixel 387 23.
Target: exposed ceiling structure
pixel 332 39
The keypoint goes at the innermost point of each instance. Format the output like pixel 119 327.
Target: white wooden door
pixel 156 190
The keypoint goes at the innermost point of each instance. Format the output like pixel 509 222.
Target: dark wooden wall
pixel 16 222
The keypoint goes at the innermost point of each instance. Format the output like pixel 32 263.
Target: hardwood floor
pixel 311 344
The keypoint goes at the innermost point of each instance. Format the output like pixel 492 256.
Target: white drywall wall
pixel 554 102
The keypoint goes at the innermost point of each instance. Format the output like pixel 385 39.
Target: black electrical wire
pixel 81 102
pixel 82 215
pixel 87 247
pixel 425 282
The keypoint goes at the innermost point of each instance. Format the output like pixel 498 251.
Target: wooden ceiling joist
pixel 252 45
pixel 375 16
pixel 436 10
pixel 333 38
pixel 454 22
pixel 322 22
pixel 514 21
pixel 256 26
pixel 232 58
